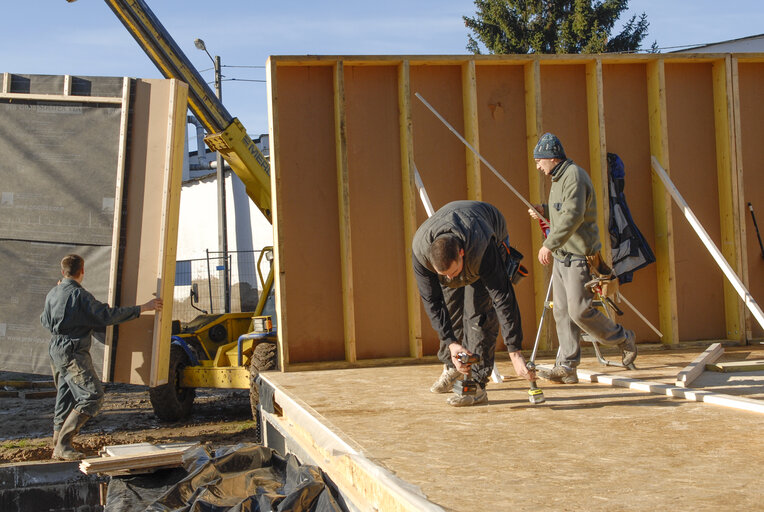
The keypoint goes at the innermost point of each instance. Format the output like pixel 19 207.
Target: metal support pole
pixel 222 220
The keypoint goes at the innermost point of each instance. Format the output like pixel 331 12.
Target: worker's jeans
pixel 475 325
pixel 77 384
pixel 574 312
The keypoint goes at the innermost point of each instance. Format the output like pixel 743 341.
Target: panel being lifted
pixel 71 183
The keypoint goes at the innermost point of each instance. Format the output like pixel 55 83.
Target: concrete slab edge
pixel 367 484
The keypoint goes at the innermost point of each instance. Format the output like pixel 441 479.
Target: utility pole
pixel 220 176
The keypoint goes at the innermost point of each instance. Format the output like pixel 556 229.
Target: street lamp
pixel 220 174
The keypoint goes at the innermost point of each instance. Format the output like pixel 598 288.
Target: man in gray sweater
pixel 460 265
pixel 573 235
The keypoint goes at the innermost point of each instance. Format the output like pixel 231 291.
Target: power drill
pixel 535 395
pixel 466 386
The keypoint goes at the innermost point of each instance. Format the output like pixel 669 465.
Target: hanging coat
pixel 629 248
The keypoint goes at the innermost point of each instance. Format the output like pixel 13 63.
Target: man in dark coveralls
pixel 71 314
pixel 461 271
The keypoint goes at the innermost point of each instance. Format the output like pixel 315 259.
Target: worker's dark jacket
pixel 480 228
pixel 71 313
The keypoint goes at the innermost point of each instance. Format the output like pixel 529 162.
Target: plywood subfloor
pixel 589 447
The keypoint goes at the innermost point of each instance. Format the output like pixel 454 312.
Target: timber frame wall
pixel 347 133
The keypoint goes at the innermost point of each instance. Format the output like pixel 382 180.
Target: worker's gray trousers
pixel 77 383
pixel 574 312
pixel 475 324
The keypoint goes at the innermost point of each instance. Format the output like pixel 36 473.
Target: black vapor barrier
pixel 238 478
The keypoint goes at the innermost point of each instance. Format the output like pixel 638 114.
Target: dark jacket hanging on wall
pixel 630 249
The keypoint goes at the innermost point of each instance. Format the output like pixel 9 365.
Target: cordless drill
pixel 535 395
pixel 466 386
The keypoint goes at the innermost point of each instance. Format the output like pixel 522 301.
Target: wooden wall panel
pixel 628 135
pixel 308 252
pixel 376 211
pixel 352 119
pixel 751 88
pixel 501 121
pixel 153 182
pixel 692 146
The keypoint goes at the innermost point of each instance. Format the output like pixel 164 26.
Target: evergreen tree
pixel 553 26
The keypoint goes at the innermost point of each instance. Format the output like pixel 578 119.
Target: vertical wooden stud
pixel 343 193
pixel 271 71
pixel 168 230
pixel 533 127
pixel 469 102
pixel 598 151
pixel 737 159
pixel 409 207
pixel 664 236
pixel 116 232
pixel 729 219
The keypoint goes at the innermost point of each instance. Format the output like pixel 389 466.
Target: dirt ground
pixel 219 417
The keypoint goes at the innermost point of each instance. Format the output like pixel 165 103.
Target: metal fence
pixel 200 284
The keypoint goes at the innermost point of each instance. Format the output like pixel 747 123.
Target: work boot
pixel 71 427
pixel 480 397
pixel 629 348
pixel 445 382
pixel 559 373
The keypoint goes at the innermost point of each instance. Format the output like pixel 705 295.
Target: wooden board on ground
pixel 737 366
pixel 135 458
pixel 696 367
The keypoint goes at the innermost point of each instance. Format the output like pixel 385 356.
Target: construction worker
pixel 71 314
pixel 460 266
pixel 572 240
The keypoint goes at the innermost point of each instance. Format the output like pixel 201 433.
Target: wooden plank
pixel 728 271
pixel 598 152
pixel 533 123
pixel 271 72
pixel 471 132
pixel 35 395
pixel 343 195
pixel 27 384
pixel 141 456
pixel 60 97
pixel 728 191
pixel 662 216
pixel 658 388
pixel 107 369
pixel 409 208
pixel 695 368
pixel 736 366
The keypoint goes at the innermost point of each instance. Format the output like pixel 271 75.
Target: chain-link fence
pixel 200 284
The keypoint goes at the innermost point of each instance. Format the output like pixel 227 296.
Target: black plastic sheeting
pixel 238 478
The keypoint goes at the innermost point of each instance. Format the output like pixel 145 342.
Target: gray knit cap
pixel 549 146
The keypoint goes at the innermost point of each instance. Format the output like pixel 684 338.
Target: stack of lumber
pixel 136 458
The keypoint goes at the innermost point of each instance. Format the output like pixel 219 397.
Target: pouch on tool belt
pixel 604 275
pixel 515 271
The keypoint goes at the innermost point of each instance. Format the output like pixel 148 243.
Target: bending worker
pixel 461 271
pixel 573 245
pixel 71 314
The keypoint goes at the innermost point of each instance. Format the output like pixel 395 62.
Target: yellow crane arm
pixel 225 133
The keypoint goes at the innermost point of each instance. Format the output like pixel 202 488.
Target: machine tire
pixel 265 356
pixel 170 401
pixel 254 399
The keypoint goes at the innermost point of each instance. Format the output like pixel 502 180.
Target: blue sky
pixel 86 38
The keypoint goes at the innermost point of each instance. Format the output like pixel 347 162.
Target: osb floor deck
pixel 589 447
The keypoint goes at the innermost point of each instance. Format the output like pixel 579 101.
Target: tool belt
pixel 512 258
pixel 604 281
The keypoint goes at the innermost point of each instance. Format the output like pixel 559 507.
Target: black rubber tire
pixel 170 401
pixel 265 356
pixel 254 399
